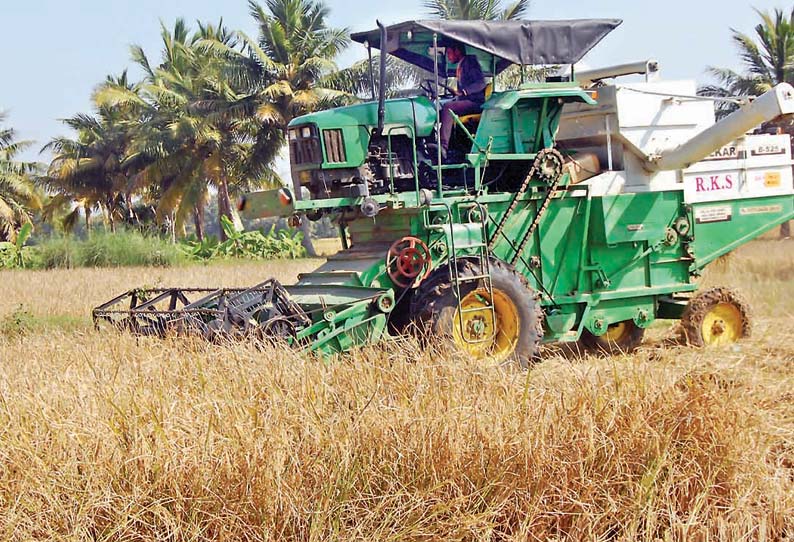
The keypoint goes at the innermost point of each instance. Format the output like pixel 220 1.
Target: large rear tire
pixel 514 335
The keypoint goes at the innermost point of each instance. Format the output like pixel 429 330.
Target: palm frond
pixel 516 10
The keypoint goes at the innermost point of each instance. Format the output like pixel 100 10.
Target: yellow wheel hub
pixel 475 332
pixel 722 324
pixel 616 332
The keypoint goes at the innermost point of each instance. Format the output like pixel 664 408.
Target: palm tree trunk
pixel 130 214
pixel 110 208
pixel 307 239
pixel 198 221
pixel 224 203
pixel 87 211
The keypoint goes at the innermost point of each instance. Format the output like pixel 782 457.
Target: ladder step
pixel 472 278
pixel 472 245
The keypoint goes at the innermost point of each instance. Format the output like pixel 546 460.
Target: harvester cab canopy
pixel 497 44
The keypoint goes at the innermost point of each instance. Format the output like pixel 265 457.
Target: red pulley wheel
pixel 408 259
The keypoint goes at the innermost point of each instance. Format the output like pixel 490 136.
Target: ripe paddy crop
pixel 104 436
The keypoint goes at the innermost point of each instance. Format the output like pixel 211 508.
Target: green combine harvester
pixel 568 210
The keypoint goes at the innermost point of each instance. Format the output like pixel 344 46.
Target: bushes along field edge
pixel 131 248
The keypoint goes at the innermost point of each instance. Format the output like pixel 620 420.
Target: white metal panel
pixel 609 183
pixel 638 179
pixel 751 167
pixel 653 118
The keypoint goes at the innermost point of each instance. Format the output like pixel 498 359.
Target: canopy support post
pixel 493 72
pixel 438 117
pixel 382 78
pixel 371 72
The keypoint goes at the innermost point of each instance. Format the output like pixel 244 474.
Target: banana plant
pixel 255 245
pixel 15 255
pixel 204 249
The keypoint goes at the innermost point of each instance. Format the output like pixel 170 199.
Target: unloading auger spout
pixel 777 102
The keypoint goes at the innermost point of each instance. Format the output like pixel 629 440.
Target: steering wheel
pixel 429 87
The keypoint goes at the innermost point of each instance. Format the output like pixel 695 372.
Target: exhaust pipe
pixel 648 68
pixel 382 80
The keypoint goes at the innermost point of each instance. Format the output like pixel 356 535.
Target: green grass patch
pixel 105 249
pixel 18 323
pixel 21 321
pixel 134 249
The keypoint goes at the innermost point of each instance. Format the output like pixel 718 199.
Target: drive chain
pixel 541 211
pixel 554 182
pixel 512 207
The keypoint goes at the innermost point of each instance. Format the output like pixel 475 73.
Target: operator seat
pixel 472 121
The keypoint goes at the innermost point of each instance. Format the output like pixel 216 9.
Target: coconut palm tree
pixel 286 71
pixel 88 169
pixel 18 196
pixel 289 64
pixel 768 60
pixel 91 169
pixel 199 130
pixel 294 52
pixel 357 81
pixel 477 9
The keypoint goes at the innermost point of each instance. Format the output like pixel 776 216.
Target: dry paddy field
pixel 109 437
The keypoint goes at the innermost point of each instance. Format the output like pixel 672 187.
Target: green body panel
pixel 524 121
pixel 357 122
pixel 746 220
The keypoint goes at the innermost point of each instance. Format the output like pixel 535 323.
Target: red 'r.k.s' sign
pixel 713 183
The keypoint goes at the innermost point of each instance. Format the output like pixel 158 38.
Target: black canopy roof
pixel 497 43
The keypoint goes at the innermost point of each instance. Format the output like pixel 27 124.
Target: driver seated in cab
pixel 470 93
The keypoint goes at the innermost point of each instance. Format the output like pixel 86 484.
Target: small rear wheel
pixel 620 338
pixel 716 317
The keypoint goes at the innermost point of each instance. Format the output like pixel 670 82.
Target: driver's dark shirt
pixel 470 79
